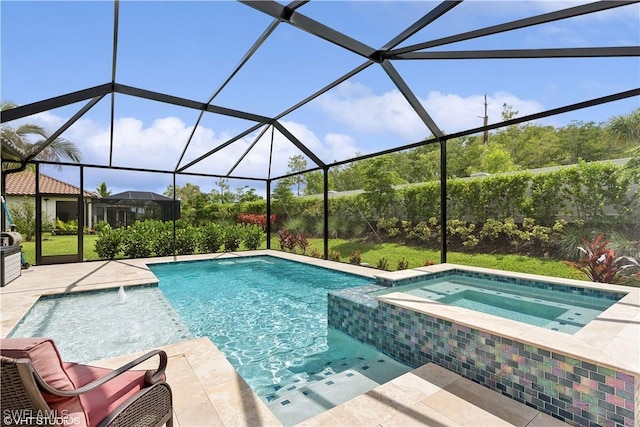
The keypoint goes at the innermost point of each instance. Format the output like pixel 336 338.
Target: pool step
pixel 297 402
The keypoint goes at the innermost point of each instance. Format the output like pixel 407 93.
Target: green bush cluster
pixel 588 192
pixel 470 234
pixel 156 238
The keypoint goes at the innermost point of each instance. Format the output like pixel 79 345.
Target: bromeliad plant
pixel 600 263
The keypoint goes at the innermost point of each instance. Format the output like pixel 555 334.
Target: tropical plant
pixel 389 225
pixel 600 263
pixel 23 217
pixel 291 242
pixel 383 264
pixel 315 252
pixel 69 227
pixel 102 190
pixel 625 128
pixel 403 264
pixel 420 231
pixel 298 224
pixel 286 240
pixel 355 257
pixel 303 243
pixel 30 140
pixel 335 255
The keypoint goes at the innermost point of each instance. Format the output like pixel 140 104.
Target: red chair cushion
pixel 88 409
pixel 45 358
pixel 103 400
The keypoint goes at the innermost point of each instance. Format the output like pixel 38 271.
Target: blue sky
pixel 187 49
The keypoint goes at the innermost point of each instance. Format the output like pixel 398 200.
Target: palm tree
pixel 626 129
pixel 102 190
pixel 19 141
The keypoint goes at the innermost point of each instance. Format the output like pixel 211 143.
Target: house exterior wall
pixel 49 206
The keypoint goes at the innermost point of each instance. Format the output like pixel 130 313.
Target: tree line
pixel 515 147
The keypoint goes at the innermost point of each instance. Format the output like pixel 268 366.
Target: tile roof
pixel 24 184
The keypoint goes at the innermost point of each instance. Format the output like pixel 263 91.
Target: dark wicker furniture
pixel 26 398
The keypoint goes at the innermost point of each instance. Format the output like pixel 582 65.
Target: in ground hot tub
pixel 585 377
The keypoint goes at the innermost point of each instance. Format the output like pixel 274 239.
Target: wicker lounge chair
pixel 39 389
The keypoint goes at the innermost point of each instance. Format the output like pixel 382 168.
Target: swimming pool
pixel 551 306
pixel 267 315
pixel 94 325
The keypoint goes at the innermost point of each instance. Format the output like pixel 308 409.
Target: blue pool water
pixel 94 325
pixel 559 308
pixel 267 315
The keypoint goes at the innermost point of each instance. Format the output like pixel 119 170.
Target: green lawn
pixel 370 253
pixel 60 245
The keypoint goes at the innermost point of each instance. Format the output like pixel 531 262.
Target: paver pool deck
pixel 209 392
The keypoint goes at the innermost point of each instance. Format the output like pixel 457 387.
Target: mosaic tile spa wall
pixel 574 391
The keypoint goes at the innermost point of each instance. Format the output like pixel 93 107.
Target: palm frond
pixel 29 129
pixel 58 150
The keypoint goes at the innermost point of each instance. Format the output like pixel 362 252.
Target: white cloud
pixel 159 144
pixel 390 113
pixel 364 111
pixel 342 146
pixel 332 147
pixel 455 113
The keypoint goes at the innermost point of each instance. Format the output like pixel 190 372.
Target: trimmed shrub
pixel 137 241
pixel 186 240
pixel 233 235
pixel 109 243
pixel 211 238
pixel 253 235
pixel 101 226
pixel 163 244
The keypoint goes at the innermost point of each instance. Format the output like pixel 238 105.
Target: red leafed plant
pixel 286 239
pixel 600 263
pixel 303 243
pixel 258 219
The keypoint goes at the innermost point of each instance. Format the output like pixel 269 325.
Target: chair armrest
pixel 150 377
